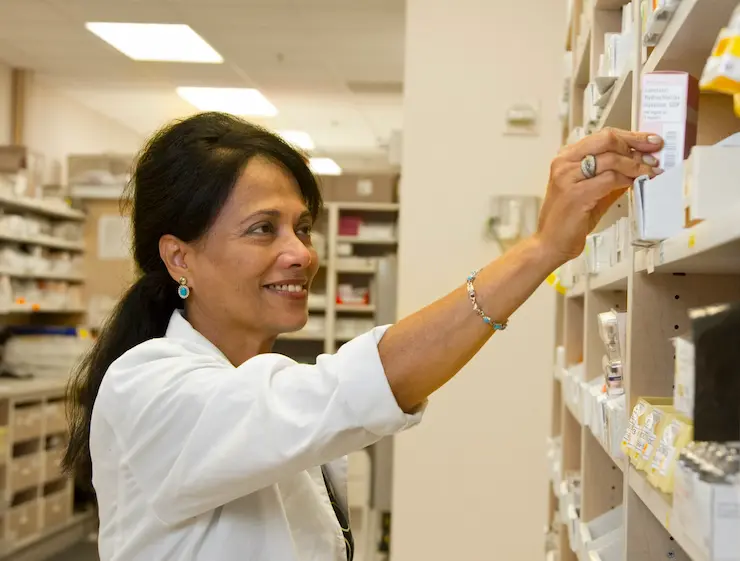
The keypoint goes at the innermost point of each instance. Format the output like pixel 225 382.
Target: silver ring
pixel 588 166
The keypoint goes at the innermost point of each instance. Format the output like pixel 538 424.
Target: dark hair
pixel 180 182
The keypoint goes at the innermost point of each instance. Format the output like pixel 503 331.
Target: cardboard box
pixel 711 181
pixel 669 108
pixel 708 514
pixel 13 159
pixel 657 207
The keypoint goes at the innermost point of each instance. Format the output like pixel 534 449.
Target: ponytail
pixel 142 314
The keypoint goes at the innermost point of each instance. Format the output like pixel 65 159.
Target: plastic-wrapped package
pixel 722 71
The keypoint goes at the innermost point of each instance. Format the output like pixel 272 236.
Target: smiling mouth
pixel 293 290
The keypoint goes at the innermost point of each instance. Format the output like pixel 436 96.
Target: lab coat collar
pixel 180 328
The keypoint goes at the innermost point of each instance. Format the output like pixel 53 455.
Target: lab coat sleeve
pixel 197 432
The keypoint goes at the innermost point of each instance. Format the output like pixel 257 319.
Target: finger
pixel 613 140
pixel 603 141
pixel 634 165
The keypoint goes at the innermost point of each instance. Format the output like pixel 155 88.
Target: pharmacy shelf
pixel 618 112
pixel 356 308
pixel 578 289
pixel 37 309
pixel 68 277
pixel 610 4
pixel 613 278
pixel 369 207
pixel 365 241
pixel 711 247
pixel 583 61
pixel 573 411
pixel 621 463
pixel 661 506
pixel 358 270
pixel 690 35
pixel 44 241
pixel 62 537
pixel 44 208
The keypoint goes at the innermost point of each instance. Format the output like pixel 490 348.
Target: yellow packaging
pixel 677 433
pixel 634 425
pixel 737 104
pixel 650 436
pixel 722 71
pixel 630 443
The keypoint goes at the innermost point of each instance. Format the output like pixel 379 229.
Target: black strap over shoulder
pixel 341 517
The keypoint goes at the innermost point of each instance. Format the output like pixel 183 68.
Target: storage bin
pixel 57 509
pixel 56 421
pixel 598 530
pixel 23 521
pixel 28 423
pixel 25 472
pixel 52 465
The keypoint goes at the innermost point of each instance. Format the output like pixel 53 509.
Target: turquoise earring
pixel 183 291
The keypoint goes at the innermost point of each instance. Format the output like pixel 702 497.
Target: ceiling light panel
pixel 237 101
pixel 160 42
pixel 299 139
pixel 324 166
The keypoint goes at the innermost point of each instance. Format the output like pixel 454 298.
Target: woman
pixel 205 446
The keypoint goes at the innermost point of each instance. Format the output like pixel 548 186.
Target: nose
pixel 295 253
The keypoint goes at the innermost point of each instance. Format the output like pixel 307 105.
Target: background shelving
pixel 655 286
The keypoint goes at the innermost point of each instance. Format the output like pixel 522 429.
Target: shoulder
pixel 155 365
pixel 166 365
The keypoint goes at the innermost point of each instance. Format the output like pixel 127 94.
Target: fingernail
pixel 654 139
pixel 650 160
pixel 658 171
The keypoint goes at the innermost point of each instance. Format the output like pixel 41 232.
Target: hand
pixel 574 204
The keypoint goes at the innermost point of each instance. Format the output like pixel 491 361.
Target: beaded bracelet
pixel 473 300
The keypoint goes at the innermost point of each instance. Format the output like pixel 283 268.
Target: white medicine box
pixel 711 181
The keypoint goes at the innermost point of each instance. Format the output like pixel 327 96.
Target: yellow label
pixel 692 241
pixel 555 283
pixel 83 333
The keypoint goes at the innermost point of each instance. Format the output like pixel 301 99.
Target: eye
pixel 304 230
pixel 262 228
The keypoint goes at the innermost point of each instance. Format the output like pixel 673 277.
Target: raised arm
pixel 423 351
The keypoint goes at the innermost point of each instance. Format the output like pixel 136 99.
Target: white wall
pixel 57 126
pixel 470 482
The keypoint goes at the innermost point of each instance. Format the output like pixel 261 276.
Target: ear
pixel 174 252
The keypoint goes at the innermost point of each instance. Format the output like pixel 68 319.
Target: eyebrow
pixel 271 213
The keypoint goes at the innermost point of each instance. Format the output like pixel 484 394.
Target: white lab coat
pixel 195 459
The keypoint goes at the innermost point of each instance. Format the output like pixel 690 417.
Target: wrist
pixel 545 255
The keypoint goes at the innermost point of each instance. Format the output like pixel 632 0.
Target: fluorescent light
pixel 237 101
pixel 324 166
pixel 298 138
pixel 163 42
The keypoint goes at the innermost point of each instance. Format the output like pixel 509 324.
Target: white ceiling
pixel 333 68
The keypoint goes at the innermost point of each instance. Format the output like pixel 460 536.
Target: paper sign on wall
pixel 114 237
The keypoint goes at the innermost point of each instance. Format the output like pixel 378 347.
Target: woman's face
pixel 253 268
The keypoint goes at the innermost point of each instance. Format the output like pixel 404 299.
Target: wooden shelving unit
pixel 37 499
pixel 655 286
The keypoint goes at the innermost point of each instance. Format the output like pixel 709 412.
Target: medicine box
pixel 657 207
pixel 669 108
pixel 708 514
pixel 711 181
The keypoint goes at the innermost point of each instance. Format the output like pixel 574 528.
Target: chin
pixel 292 325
